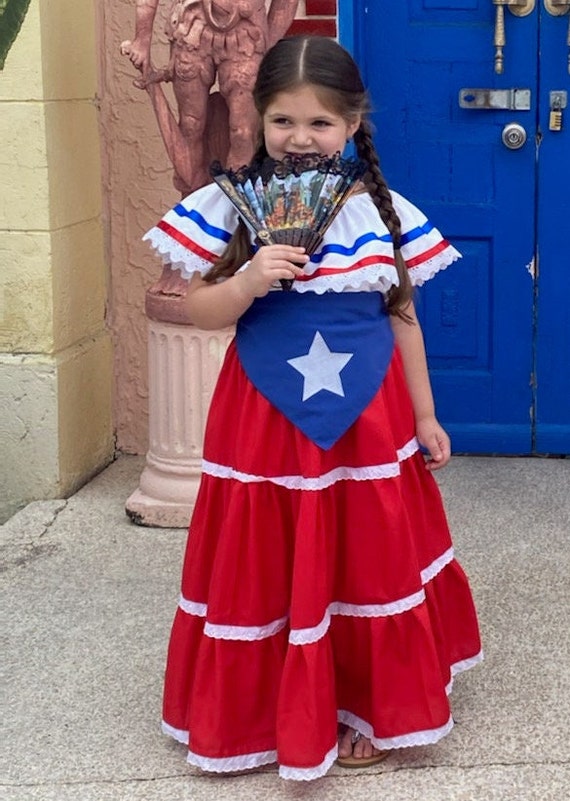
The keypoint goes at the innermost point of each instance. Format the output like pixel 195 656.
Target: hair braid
pixel 398 298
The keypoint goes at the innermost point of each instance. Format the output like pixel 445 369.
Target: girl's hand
pixel 436 440
pixel 272 263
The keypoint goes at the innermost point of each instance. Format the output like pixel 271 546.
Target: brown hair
pixel 332 72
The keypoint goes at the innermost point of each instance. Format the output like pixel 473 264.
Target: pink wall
pixel 137 182
pixel 138 187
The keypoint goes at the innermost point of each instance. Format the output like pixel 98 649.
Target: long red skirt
pixel 318 587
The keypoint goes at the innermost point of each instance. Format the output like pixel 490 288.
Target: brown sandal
pixel 361 762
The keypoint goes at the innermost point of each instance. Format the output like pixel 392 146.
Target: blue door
pixel 497 323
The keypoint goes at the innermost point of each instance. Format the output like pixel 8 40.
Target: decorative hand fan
pixel 292 201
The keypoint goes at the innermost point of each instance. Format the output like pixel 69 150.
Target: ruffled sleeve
pixel 194 234
pixel 357 252
pixel 424 249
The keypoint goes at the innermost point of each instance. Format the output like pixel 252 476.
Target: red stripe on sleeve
pixel 186 241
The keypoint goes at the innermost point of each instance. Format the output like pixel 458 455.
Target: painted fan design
pixel 292 201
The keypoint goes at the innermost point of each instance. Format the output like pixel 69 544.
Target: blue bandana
pixel 320 359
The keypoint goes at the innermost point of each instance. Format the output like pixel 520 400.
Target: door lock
pixel 558 102
pixel 513 136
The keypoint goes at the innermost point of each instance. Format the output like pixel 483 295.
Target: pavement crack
pixel 255 772
pixel 55 514
pixel 96 782
pixel 25 536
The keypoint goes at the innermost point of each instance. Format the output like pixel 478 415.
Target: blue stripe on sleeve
pixel 195 216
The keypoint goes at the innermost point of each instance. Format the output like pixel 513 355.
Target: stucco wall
pixel 138 189
pixel 55 351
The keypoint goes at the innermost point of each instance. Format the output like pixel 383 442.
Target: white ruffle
pixel 460 667
pixel 408 450
pixel 379 610
pixel 321 482
pixel 429 573
pixel 195 232
pixel 316 483
pixel 311 634
pixel 231 764
pixel 315 633
pixel 252 761
pixel 176 255
pixel 179 735
pixel 423 272
pixel 192 608
pixel 373 278
pixel 246 633
pixel 426 737
pixel 356 254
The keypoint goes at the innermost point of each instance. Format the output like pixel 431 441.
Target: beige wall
pixel 56 356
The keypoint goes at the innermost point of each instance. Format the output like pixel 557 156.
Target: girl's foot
pixel 356 751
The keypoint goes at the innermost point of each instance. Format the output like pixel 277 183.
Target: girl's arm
pixel 429 432
pixel 212 306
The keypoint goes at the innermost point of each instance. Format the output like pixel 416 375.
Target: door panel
pixel 552 434
pixel 479 315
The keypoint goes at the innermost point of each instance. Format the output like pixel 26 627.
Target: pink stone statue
pixel 210 40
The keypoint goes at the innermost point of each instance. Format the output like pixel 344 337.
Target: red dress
pixel 319 585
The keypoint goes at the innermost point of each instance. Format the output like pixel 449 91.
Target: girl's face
pixel 297 122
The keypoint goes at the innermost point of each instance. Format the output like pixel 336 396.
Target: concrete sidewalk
pixel 90 599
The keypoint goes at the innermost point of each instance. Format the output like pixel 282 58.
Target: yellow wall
pixel 56 355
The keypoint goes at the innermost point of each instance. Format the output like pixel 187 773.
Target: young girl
pixel 322 614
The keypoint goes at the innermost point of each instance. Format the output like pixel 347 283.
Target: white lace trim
pixel 308 774
pixel 312 634
pixel 459 667
pixel 296 482
pixel 315 633
pixel 437 566
pixel 372 278
pixel 230 764
pixel 466 664
pixel 177 255
pixel 426 737
pixel 179 735
pixel 379 610
pixel 408 450
pixel 323 481
pixel 247 633
pixel 192 607
pixel 423 272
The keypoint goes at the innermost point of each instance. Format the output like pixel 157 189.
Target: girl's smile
pixel 297 122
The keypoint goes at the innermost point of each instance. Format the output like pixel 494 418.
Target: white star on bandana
pixel 321 368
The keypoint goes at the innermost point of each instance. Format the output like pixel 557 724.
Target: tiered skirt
pixel 318 587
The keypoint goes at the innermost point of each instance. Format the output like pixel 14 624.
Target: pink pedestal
pixel 184 363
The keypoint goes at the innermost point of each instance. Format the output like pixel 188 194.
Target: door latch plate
pixel 495 99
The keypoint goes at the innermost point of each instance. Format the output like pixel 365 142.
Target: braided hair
pixel 332 73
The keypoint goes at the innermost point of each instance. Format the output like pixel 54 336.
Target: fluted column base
pixel 184 363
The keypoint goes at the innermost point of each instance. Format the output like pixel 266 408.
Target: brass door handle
pixel 558 8
pixel 520 8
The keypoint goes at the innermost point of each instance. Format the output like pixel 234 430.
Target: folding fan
pixel 292 201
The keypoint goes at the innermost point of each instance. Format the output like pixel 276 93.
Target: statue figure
pixel 210 40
